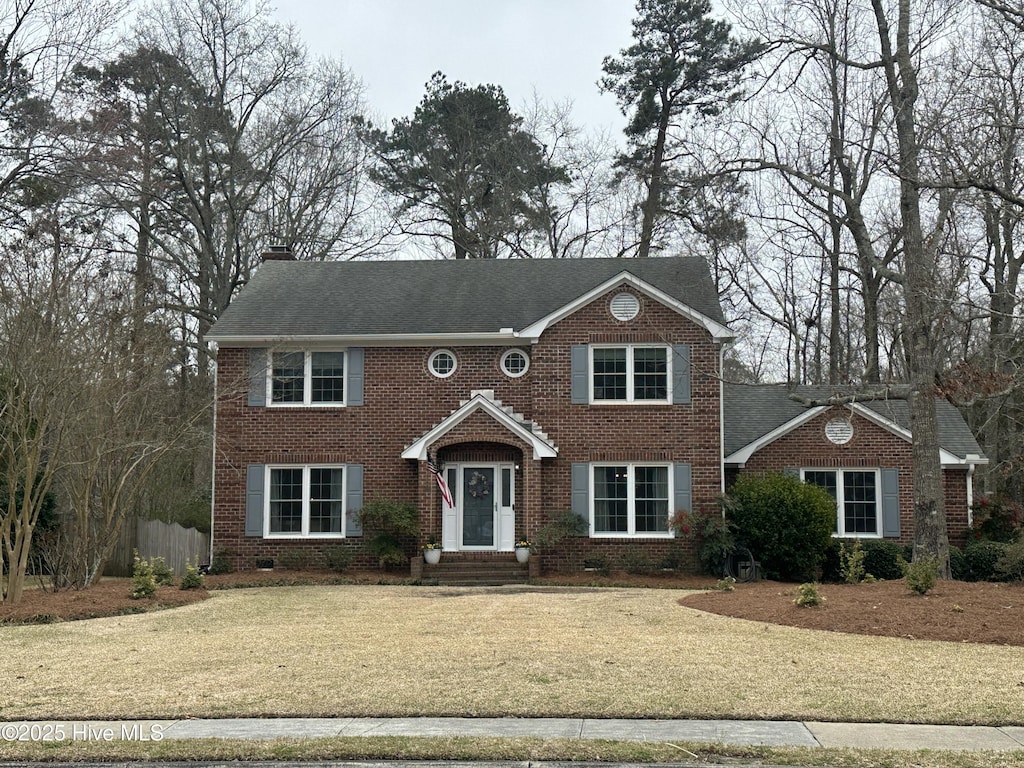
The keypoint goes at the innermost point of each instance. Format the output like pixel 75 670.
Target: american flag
pixel 446 492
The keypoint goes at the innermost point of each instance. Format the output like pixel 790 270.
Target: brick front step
pixel 459 569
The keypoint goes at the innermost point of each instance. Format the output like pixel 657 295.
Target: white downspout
pixel 213 454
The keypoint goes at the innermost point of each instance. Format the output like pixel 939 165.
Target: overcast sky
pixel 552 46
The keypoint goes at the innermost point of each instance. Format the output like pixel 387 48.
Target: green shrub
pixel 559 527
pixel 996 519
pixel 143 580
pixel 851 562
pixel 599 562
pixel 162 572
pixel 713 535
pixel 787 524
pixel 807 596
pixel 295 559
pixel 220 563
pixel 338 558
pixel 921 574
pixel 390 529
pixel 728 584
pixel 192 579
pixel 635 561
pixel 882 559
pixel 981 557
pixel 958 567
pixel 1010 566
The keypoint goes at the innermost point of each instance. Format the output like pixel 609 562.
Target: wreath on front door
pixel 478 486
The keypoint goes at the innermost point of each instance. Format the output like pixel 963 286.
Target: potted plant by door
pixel 522 550
pixel 432 552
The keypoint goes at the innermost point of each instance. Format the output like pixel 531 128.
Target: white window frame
pixel 306 477
pixel 437 353
pixel 631 532
pixel 307 380
pixel 630 374
pixel 504 363
pixel 841 532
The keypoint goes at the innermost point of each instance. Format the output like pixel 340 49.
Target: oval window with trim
pixel 514 363
pixel 442 363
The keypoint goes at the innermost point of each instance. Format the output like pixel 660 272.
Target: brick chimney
pixel 278 253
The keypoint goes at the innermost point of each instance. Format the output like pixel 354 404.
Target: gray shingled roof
pixel 301 298
pixel 752 411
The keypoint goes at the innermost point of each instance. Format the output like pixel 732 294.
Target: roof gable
pixel 756 415
pixel 482 298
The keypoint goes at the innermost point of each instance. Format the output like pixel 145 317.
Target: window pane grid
pixel 856 496
pixel 286 501
pixel 859 507
pixel 610 374
pixel 288 375
pixel 328 377
pixel 650 373
pixel 651 499
pixel 611 500
pixel 306 501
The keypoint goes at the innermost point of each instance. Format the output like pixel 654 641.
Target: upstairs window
pixel 630 374
pixel 307 378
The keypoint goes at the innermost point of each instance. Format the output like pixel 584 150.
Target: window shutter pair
pixel 259 359
pixel 255 481
pixel 682 490
pixel 580 378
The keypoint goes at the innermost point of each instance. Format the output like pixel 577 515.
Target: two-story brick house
pixel 534 386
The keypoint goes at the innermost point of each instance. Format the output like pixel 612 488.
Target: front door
pixel 486 516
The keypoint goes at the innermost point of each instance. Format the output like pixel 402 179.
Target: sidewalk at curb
pixel 768 733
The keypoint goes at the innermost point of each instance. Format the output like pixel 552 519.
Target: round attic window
pixel 839 431
pixel 624 306
pixel 442 363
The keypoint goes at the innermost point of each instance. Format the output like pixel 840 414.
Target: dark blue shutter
pixel 580 374
pixel 890 503
pixel 353 499
pixel 581 495
pixel 254 481
pixel 257 376
pixel 682 486
pixel 354 379
pixel 681 374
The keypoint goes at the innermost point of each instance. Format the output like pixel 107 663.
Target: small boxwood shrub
pixel 637 562
pixel 982 557
pixel 787 524
pixel 921 574
pixel 958 567
pixel 882 559
pixel 337 558
pixel 808 596
pixel 1010 566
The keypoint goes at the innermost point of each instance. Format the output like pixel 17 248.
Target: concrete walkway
pixel 735 732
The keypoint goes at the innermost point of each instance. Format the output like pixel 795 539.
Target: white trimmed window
pixel 630 499
pixel 857 497
pixel 307 378
pixel 515 363
pixel 305 501
pixel 631 373
pixel 442 363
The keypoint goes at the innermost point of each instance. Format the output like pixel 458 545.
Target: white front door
pixel 484 516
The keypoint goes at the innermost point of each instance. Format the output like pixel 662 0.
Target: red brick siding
pixel 403 401
pixel 872 447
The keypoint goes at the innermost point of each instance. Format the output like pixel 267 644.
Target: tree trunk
pixel 652 204
pixel 930 536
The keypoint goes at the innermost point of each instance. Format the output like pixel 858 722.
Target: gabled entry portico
pixel 490 458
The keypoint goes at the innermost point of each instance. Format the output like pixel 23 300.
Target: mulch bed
pixel 953 611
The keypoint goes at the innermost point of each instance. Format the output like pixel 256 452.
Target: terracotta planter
pixel 432 556
pixel 522 554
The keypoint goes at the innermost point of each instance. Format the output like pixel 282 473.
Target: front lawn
pixel 528 651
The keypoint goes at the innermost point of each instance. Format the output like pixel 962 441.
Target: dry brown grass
pixel 390 651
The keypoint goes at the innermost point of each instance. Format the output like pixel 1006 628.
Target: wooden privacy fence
pixel 153 538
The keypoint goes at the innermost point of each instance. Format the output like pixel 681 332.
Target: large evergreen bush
pixel 785 523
